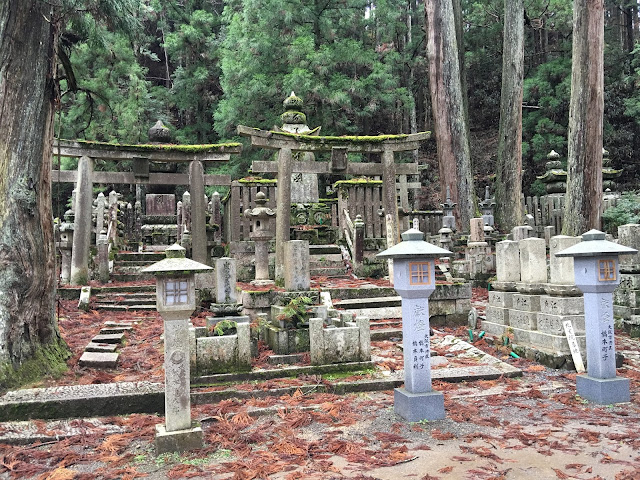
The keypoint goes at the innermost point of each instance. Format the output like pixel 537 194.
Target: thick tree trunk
pixel 448 108
pixel 509 168
pixel 586 110
pixel 27 262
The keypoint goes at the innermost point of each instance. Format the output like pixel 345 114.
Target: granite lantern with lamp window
pixel 595 264
pixel 414 280
pixel 176 301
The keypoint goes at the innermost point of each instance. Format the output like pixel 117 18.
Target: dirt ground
pixel 534 426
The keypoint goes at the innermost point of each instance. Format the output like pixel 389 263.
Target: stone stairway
pixel 127 265
pixel 326 261
pixel 381 305
pixel 139 297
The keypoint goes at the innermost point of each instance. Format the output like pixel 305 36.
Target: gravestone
pixel 296 267
pixel 226 280
pixel 162 204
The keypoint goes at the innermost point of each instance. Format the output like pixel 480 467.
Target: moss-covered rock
pixel 48 360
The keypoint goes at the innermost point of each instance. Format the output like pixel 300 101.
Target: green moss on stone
pixel 212 147
pixel 48 360
pixel 258 180
pixel 356 181
pixel 344 139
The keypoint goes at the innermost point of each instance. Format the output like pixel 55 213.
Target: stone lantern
pixel 175 301
pixel 487 206
pixel 595 265
pixel 66 245
pixel 448 219
pixel 261 233
pixel 414 280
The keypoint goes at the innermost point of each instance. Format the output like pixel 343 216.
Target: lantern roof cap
pixel 176 262
pixel 594 245
pixel 413 245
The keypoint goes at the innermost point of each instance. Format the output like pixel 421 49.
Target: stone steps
pixel 140 256
pixel 326 261
pixel 130 277
pixel 374 308
pixel 123 308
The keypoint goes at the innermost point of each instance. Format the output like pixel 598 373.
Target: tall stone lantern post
pixel 262 232
pixel 414 280
pixel 595 265
pixel 175 301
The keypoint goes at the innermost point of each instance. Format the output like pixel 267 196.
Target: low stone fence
pixel 211 354
pixel 341 341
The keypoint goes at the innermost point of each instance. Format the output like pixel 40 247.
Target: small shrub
pixel 296 312
pixel 626 211
pixel 224 327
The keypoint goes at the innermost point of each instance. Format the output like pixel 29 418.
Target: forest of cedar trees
pixel 205 66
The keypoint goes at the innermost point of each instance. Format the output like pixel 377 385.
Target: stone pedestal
pixel 178 440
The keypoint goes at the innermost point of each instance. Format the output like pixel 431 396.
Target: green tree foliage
pixel 342 57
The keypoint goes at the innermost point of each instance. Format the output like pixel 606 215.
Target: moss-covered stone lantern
pixel 414 280
pixel 175 301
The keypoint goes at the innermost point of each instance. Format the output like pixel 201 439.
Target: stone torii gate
pixel 286 143
pixel 141 155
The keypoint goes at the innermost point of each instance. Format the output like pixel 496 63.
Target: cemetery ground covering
pixel 508 428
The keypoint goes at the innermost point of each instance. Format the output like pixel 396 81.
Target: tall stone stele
pixel 414 280
pixel 175 301
pixel 596 270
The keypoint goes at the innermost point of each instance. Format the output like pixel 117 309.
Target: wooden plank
pixel 245 203
pixel 235 208
pixel 368 216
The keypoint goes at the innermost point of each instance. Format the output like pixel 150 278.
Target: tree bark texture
pixel 586 110
pixel 447 104
pixel 27 262
pixel 509 167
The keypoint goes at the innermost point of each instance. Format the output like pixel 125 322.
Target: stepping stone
pixel 108 330
pixel 108 338
pixel 118 324
pixel 100 347
pixel 99 359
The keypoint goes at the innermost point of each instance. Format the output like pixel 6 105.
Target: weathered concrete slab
pixel 99 359
pixel 112 330
pixel 108 338
pixel 100 347
pixel 83 401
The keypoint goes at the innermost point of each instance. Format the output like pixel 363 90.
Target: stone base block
pixel 418 406
pixel 504 286
pixel 178 440
pixel 603 391
pixel 521 319
pixel 501 299
pixel 553 323
pixel 493 328
pixel 99 359
pixel 632 326
pixel 498 315
pixel 527 303
pixel 562 305
pixel 529 288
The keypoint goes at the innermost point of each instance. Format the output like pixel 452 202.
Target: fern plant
pixel 224 327
pixel 296 312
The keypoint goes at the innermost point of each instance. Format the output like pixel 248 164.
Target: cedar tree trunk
pixel 509 165
pixel 447 103
pixel 586 110
pixel 27 262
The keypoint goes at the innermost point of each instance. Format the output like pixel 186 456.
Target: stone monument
pixel 597 275
pixel 176 300
pixel 414 280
